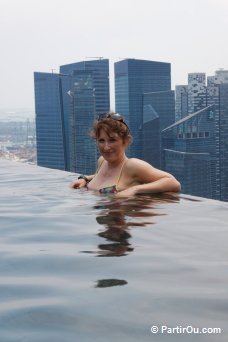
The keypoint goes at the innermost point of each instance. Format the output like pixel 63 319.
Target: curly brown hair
pixel 110 125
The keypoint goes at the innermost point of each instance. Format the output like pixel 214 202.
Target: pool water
pixel 78 266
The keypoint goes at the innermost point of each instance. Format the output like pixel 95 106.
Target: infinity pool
pixel 77 266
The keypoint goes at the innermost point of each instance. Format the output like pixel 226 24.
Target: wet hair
pixel 110 126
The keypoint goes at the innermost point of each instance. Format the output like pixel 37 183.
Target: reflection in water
pixel 116 217
pixel 110 282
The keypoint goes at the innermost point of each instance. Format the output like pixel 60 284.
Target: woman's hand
pixel 78 184
pixel 130 192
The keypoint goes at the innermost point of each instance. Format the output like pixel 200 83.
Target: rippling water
pixel 76 266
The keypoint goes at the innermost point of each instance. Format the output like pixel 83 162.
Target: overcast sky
pixel 41 35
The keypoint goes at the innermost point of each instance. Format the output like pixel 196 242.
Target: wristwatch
pixel 83 177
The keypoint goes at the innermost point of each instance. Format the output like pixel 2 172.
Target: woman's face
pixel 112 148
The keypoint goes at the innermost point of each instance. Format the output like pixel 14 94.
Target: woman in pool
pixel 116 173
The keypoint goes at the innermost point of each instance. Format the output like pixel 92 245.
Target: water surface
pixel 77 266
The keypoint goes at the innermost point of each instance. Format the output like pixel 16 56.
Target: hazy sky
pixel 41 35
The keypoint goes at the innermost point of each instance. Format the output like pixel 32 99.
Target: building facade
pixel 158 113
pixel 66 106
pixel 223 105
pixel 51 121
pixel 181 102
pixel 82 114
pixel 196 92
pixel 201 96
pixel 99 70
pixel 133 79
pixel 189 152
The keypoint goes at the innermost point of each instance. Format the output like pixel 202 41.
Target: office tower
pixel 189 152
pixel 89 97
pixel 51 121
pixel 215 96
pixel 196 92
pixel 217 93
pixel 133 79
pixel 72 99
pixel 181 102
pixel 158 113
pixel 99 70
pixel 150 136
pixel 81 114
pixel 223 105
pixel 191 97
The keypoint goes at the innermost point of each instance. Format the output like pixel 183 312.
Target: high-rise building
pixel 200 97
pixel 51 121
pixel 133 79
pixel 217 93
pixel 99 70
pixel 81 116
pixel 196 92
pixel 158 113
pixel 181 102
pixel 223 105
pixel 189 152
pixel 66 106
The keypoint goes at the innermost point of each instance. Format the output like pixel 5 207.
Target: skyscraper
pixel 66 106
pixel 99 70
pixel 212 97
pixel 189 152
pixel 217 93
pixel 181 102
pixel 133 79
pixel 196 92
pixel 223 105
pixel 158 113
pixel 51 121
pixel 83 153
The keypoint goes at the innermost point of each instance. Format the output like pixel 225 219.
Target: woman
pixel 116 173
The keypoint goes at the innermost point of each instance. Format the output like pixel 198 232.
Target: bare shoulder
pixel 139 164
pixel 143 171
pixel 100 161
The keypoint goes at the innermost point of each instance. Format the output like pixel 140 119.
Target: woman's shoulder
pixel 136 166
pixel 135 162
pixel 100 161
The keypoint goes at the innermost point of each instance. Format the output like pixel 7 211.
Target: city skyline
pixel 40 36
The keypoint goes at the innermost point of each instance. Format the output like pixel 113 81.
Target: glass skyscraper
pixel 181 102
pixel 196 92
pixel 201 96
pixel 51 121
pixel 158 113
pixel 217 93
pixel 189 152
pixel 82 114
pixel 66 106
pixel 99 70
pixel 223 140
pixel 133 79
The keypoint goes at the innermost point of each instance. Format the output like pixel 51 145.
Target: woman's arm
pixel 80 183
pixel 149 179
